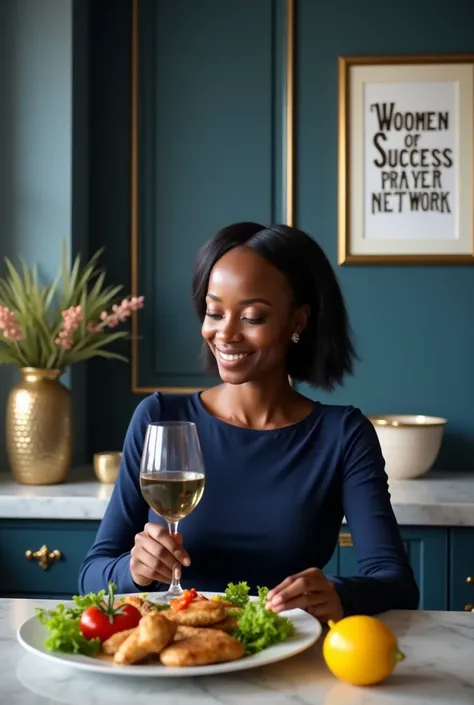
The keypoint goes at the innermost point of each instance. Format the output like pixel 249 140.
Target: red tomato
pixel 184 600
pixel 102 623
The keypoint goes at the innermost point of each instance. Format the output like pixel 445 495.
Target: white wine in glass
pixel 172 478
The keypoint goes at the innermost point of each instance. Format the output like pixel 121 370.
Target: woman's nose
pixel 229 330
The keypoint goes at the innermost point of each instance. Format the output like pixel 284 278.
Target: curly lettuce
pixel 237 594
pixel 258 627
pixel 62 624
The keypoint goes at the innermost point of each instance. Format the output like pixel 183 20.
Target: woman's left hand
pixel 309 590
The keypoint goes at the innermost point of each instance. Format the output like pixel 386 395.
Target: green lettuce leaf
pixel 62 624
pixel 237 594
pixel 258 628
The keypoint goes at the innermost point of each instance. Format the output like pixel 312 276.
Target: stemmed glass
pixel 172 479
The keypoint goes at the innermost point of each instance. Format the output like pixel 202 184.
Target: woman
pixel 281 470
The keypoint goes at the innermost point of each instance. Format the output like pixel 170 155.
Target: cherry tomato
pixel 97 622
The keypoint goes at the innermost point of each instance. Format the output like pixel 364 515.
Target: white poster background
pixel 406 189
pixel 451 86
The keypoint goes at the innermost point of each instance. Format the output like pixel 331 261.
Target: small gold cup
pixel 106 466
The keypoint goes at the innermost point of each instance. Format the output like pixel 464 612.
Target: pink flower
pixel 119 314
pixel 72 318
pixel 11 329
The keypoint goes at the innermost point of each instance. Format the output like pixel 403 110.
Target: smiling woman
pixel 272 286
pixel 281 470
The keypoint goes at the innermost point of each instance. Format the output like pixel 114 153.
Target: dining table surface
pixel 438 669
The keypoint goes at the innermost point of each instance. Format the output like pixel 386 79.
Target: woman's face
pixel 249 317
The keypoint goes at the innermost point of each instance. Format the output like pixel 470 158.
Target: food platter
pixel 307 630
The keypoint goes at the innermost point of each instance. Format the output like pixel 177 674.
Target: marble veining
pixel 438 668
pixel 438 499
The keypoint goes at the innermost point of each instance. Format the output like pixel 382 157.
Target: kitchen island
pixel 438 668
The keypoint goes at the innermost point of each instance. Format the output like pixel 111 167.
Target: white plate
pixel 32 635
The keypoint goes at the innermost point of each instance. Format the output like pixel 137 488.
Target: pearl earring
pixel 295 338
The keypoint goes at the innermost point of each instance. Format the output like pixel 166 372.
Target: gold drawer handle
pixel 44 556
pixel 345 539
pixel 469 608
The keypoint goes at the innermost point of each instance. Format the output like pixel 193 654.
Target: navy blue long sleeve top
pixel 273 505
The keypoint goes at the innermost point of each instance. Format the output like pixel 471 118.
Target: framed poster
pixel 406 161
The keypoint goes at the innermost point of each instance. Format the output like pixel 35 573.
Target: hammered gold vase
pixel 39 428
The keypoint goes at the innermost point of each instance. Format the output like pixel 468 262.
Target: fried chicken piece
pixel 110 645
pixel 198 614
pixel 228 624
pixel 226 603
pixel 143 606
pixel 153 633
pixel 184 632
pixel 212 647
pixel 130 651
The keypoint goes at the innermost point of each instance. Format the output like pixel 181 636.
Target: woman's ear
pixel 301 317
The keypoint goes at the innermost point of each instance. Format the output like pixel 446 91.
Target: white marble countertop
pixel 438 669
pixel 438 499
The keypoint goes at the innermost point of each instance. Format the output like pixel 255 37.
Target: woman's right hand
pixel 154 554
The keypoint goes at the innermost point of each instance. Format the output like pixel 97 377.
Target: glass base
pixel 165 597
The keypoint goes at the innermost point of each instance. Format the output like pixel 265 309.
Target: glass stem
pixel 175 585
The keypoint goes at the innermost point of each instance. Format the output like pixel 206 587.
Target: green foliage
pixel 38 313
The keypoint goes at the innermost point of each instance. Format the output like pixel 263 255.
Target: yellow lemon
pixel 361 650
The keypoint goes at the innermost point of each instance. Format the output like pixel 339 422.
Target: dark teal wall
pixel 413 325
pixel 43 152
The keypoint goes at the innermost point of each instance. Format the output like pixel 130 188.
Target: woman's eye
pixel 254 321
pixel 210 314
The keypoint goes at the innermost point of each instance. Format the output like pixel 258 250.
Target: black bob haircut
pixel 325 352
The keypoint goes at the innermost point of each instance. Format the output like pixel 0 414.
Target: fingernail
pixel 186 561
pixel 276 600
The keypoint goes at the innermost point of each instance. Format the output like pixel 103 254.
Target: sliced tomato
pixel 184 600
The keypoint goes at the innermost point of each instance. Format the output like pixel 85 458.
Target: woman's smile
pixel 231 360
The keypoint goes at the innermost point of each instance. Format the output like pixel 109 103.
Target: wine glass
pixel 172 479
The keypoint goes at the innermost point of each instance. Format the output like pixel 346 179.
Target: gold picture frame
pixel 400 201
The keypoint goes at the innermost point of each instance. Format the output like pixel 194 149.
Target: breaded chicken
pixel 212 647
pixel 110 645
pixel 198 614
pixel 226 603
pixel 144 606
pixel 184 632
pixel 130 651
pixel 153 633
pixel 228 624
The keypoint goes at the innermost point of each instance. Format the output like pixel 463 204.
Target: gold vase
pixel 39 428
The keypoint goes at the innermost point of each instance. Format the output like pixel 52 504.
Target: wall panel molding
pixel 212 142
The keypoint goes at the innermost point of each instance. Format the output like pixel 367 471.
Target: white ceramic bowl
pixel 410 444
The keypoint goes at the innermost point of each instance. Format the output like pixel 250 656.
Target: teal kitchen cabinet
pixel 461 579
pixel 428 553
pixel 41 558
pixel 442 559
